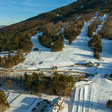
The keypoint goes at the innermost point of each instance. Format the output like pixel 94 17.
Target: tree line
pixel 59 84
pixel 93 27
pixel 37 83
pixel 11 60
pixel 73 29
pixel 96 45
pixel 3 101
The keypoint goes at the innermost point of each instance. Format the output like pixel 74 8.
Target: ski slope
pixel 93 95
pixel 78 51
pixel 89 96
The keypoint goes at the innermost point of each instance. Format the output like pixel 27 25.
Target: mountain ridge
pixel 22 31
pixel 2 26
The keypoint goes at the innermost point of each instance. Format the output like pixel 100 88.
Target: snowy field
pixel 21 102
pixel 87 96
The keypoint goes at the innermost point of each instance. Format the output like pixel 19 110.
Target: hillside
pixel 89 95
pixel 18 36
pixel 67 52
pixel 2 26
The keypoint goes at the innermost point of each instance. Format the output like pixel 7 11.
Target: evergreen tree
pixel 3 101
pixel 28 81
pixel 109 104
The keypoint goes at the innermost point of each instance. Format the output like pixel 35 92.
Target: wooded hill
pixel 18 36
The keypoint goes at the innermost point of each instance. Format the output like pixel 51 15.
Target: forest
pixel 11 60
pixel 3 101
pixel 37 83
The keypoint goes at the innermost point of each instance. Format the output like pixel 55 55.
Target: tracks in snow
pixel 82 99
pixel 18 100
pixel 90 97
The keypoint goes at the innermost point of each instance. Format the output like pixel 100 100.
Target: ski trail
pixel 88 98
pixel 72 99
pixel 83 99
pixel 79 101
pixel 74 109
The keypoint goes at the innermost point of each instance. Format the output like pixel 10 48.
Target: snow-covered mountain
pixel 63 14
pixel 89 95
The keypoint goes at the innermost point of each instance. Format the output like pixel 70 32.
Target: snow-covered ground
pixel 77 52
pixel 71 54
pixel 90 96
pixel 87 96
pixel 21 102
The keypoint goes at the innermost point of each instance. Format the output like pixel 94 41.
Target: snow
pixel 21 102
pixel 6 53
pixel 11 97
pixel 91 97
pixel 71 54
pixel 88 96
pixel 107 49
pixel 62 29
pixel 77 52
pixel 78 17
pixel 103 19
pixel 36 43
